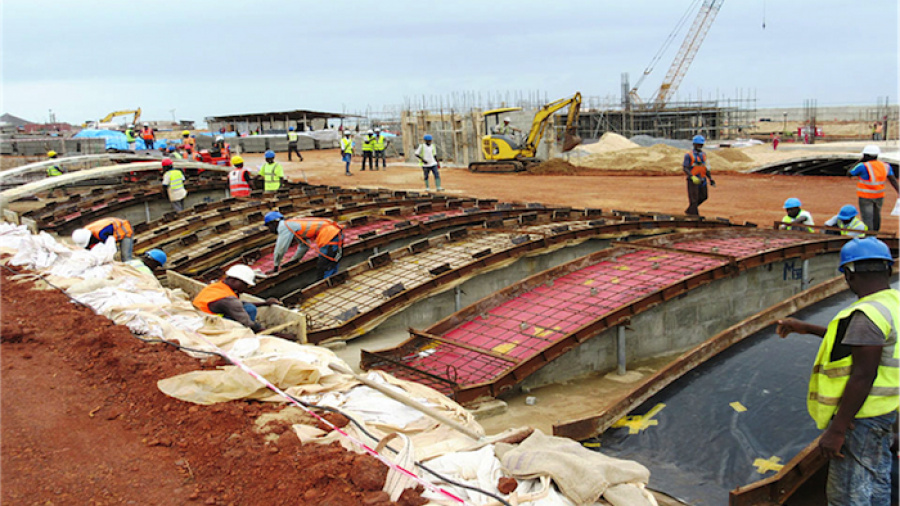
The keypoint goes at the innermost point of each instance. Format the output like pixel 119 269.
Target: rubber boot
pixel 437 184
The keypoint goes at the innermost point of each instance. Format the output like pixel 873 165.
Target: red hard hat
pixel 166 162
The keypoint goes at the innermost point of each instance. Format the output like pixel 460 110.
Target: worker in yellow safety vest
pixel 292 138
pixel 53 170
pixel 381 143
pixel 130 137
pixel 855 382
pixel 848 222
pixel 173 179
pixel 272 173
pixel 347 151
pixel 368 150
pixel 796 216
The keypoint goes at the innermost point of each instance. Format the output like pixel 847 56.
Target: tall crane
pixel 686 53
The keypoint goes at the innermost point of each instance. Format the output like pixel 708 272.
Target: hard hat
pixel 699 139
pixel 792 202
pixel 869 248
pixel 369 131
pixel 51 153
pixel 272 216
pixel 167 162
pixel 847 213
pixel 377 129
pixel 219 138
pixel 291 129
pixel 347 132
pixel 172 148
pixel 237 160
pixel 146 124
pixel 242 272
pixel 428 137
pixel 506 119
pixel 270 154
pixel 871 150
pixel 81 237
pixel 158 255
pixel 130 125
pixel 185 133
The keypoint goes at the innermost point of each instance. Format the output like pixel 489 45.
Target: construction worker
pixel 149 262
pixel 796 216
pixel 220 148
pixel 368 149
pixel 53 170
pixel 187 142
pixel 130 137
pixel 872 174
pixel 847 221
pixel 103 229
pixel 173 152
pixel 272 173
pixel 853 389
pixel 222 297
pixel 381 143
pixel 292 138
pixel 347 151
pixel 148 136
pixel 697 172
pixel 173 179
pixel 428 160
pixel 239 182
pixel 505 128
pixel 321 234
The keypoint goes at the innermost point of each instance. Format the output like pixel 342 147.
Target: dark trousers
pixel 697 194
pixel 292 148
pixel 379 155
pixel 327 263
pixel 367 155
pixel 870 212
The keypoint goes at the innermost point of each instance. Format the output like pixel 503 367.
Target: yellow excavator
pixel 107 120
pixel 502 153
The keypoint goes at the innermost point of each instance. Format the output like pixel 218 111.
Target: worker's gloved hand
pixel 712 183
pixel 695 179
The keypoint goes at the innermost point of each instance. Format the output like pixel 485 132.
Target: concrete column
pixel 147 210
pixel 457 297
pixel 620 350
pixel 804 275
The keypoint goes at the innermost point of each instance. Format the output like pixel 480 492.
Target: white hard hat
pixel 377 129
pixel 506 119
pixel 871 150
pixel 369 131
pixel 219 138
pixel 347 132
pixel 146 124
pixel 130 125
pixel 242 272
pixel 81 237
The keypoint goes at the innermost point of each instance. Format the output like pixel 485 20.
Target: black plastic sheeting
pixel 702 447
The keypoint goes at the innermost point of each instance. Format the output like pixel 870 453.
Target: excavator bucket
pixel 570 141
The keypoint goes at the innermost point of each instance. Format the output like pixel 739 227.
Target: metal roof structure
pixel 295 115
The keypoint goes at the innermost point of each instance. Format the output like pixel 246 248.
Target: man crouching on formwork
pixel 222 298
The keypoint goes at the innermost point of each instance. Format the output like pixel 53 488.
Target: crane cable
pixel 668 42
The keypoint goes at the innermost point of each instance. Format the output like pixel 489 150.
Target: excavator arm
pixel 542 119
pixel 109 117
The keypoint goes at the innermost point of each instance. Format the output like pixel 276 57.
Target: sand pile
pixel 659 158
pixel 609 142
pixel 734 155
pixel 554 166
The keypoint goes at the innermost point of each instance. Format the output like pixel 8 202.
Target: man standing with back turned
pixel 853 390
pixel 872 174
pixel 697 173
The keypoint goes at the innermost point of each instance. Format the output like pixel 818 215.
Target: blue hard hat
pixel 158 255
pixel 869 248
pixel 792 202
pixel 291 129
pixel 847 213
pixel 273 216
pixel 171 148
pixel 699 139
pixel 428 137
pixel 269 154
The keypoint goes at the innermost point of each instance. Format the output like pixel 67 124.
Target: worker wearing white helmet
pixel 148 136
pixel 381 143
pixel 222 297
pixel 100 231
pixel 347 150
pixel 130 137
pixel 872 174
pixel 506 128
pixel 368 149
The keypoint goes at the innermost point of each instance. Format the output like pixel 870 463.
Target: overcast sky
pixel 85 58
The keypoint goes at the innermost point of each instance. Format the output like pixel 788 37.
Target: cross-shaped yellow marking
pixel 544 331
pixel 763 466
pixel 637 423
pixel 737 406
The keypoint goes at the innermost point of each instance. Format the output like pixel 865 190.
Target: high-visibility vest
pixel 138 264
pixel 874 187
pixel 147 134
pixel 368 141
pixel 698 164
pixel 802 226
pixel 828 379
pixel 292 136
pixel 213 292
pixel 176 180
pixel 188 142
pixel 176 155
pixel 53 170
pixel 346 146
pixel 129 136
pixel 420 152
pixel 272 174
pixel 115 227
pixel 380 143
pixel 324 231
pixel 237 183
pixel 855 225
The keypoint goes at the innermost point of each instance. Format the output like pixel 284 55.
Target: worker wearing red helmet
pixel 173 179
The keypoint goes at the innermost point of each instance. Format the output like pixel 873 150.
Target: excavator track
pixel 497 167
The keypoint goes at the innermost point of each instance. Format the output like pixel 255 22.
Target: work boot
pixel 437 184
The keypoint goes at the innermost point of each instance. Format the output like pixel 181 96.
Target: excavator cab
pixel 496 146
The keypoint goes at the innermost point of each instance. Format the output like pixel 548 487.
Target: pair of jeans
pixel 367 155
pixel 126 248
pixel 379 155
pixel 870 212
pixel 292 148
pixel 863 476
pixel 251 310
pixel 178 205
pixel 697 194
pixel 327 263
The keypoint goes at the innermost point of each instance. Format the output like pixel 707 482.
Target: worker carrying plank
pixel 320 234
pixel 222 298
pixel 853 391
pixel 99 231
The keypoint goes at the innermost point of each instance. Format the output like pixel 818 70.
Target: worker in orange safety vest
pixel 872 174
pixel 321 234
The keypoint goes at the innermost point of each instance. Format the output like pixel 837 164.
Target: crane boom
pixel 687 51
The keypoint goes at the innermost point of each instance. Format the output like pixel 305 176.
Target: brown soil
pixel 554 167
pixel 84 423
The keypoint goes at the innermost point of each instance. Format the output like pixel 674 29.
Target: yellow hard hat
pixel 185 132
pixel 51 153
pixel 236 160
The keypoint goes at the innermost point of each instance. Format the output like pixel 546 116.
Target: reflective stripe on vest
pixel 380 143
pixel 216 291
pixel 698 165
pixel 788 219
pixel 368 141
pixel 53 170
pixel 292 136
pixel 237 183
pixel 271 176
pixel 851 228
pixel 176 180
pixel 324 231
pixel 828 379
pixel 147 134
pixel 874 187
pixel 347 146
pixel 129 136
pixel 115 227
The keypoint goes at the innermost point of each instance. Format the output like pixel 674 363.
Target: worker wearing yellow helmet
pixel 187 142
pixel 239 182
pixel 53 170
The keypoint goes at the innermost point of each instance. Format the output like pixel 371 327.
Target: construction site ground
pixel 84 423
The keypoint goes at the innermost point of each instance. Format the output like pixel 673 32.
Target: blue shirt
pixel 860 170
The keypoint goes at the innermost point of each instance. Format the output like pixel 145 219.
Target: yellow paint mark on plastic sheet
pixel 763 466
pixel 737 406
pixel 638 423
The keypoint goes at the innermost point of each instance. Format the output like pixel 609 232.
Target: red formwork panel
pixel 741 246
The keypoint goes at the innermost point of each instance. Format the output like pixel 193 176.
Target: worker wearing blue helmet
pixel 428 160
pixel 697 171
pixel 854 386
pixel 848 222
pixel 272 173
pixel 796 216
pixel 149 262
pixel 292 138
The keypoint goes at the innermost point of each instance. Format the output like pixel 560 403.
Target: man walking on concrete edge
pixel 368 148
pixel 323 235
pixel 292 137
pixel 872 174
pixel 427 155
pixel 381 143
pixel 173 180
pixel 853 390
pixel 272 173
pixel 697 173
pixel 347 151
